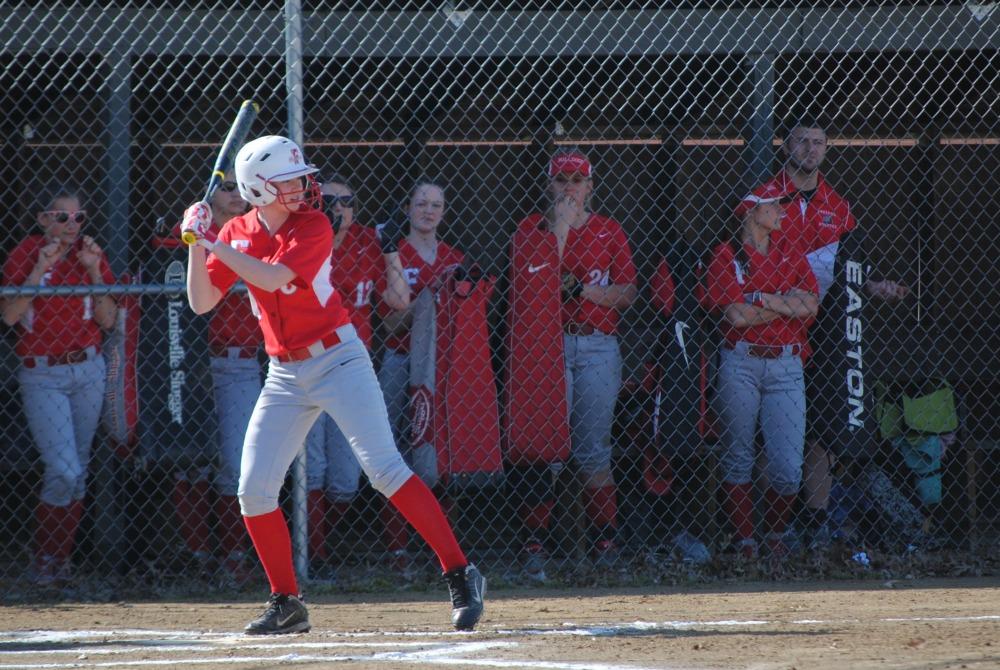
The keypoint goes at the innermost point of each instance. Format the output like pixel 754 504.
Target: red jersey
pixel 306 309
pixel 57 324
pixel 811 224
pixel 597 253
pixel 419 275
pixel 783 268
pixel 357 266
pixel 232 322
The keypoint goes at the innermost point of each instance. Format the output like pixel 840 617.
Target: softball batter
pixel 282 249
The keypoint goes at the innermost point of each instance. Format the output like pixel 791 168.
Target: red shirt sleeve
pixel 622 267
pixel 723 289
pixel 806 279
pixel 220 274
pixel 17 267
pixel 662 287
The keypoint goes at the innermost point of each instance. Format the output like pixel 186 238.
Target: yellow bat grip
pixel 189 238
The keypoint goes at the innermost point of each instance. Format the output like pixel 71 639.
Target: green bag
pixel 927 408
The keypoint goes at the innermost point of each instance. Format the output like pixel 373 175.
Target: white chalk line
pixel 426 652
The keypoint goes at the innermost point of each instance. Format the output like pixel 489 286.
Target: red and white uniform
pixel 816 225
pixel 358 265
pixel 419 275
pixel 598 254
pixel 308 308
pixel 784 267
pixel 58 324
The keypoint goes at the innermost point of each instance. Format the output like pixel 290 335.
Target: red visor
pixel 569 163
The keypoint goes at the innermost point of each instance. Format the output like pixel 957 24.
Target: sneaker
pixel 284 614
pixel 467 587
pixel 606 555
pixel 49 571
pixel 691 549
pixel 533 563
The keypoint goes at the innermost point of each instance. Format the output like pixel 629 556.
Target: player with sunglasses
pixel 233 343
pixel 333 472
pixel 62 374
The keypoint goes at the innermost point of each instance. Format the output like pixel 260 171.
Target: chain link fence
pixel 671 449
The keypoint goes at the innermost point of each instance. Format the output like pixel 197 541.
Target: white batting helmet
pixel 271 159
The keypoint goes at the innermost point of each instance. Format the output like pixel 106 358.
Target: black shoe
pixel 467 587
pixel 284 614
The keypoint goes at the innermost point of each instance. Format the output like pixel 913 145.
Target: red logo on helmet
pixel 296 159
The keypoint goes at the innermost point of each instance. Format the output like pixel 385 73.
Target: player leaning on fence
pixel 282 249
pixel 62 373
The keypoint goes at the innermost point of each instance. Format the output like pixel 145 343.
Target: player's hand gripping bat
pixel 235 138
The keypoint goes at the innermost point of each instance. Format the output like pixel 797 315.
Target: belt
pixel 67 358
pixel 768 350
pixel 314 349
pixel 223 351
pixel 573 328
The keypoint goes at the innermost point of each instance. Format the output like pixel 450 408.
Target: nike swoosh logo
pixel 284 622
pixel 602 235
pixel 535 268
pixel 679 333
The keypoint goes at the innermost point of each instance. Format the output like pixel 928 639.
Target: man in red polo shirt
pixel 282 249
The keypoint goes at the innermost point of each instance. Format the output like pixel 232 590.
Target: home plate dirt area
pixel 935 624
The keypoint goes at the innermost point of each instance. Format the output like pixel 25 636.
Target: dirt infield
pixel 902 624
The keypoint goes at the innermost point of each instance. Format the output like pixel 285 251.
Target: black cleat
pixel 467 587
pixel 284 614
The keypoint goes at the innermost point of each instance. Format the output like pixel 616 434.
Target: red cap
pixel 570 163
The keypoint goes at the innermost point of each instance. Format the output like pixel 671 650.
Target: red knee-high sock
pixel 70 524
pixel 191 506
pixel 49 522
pixel 269 533
pixel 231 531
pixel 316 506
pixel 395 531
pixel 536 518
pixel 601 506
pixel 739 507
pixel 779 510
pixel 416 502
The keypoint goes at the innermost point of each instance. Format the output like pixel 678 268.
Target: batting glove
pixel 390 232
pixel 196 227
pixel 571 286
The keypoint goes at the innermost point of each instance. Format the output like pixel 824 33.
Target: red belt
pixel 303 354
pixel 223 351
pixel 67 358
pixel 767 350
pixel 579 329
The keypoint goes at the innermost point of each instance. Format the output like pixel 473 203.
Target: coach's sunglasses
pixel 228 186
pixel 63 216
pixel 342 200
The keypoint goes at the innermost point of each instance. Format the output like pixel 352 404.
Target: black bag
pixel 678 399
pixel 841 398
